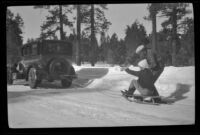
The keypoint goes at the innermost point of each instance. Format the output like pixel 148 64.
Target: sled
pixel 137 98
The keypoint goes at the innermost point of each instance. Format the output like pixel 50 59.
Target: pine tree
pixel 135 35
pixel 55 21
pixel 174 12
pixel 92 37
pixel 101 24
pixel 103 46
pixel 187 41
pixel 78 60
pixel 14 39
pixel 95 21
pixel 113 49
pixel 153 11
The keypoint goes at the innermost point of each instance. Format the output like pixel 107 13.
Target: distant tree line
pixel 174 42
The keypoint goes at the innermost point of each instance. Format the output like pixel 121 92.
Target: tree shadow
pixel 86 76
pixel 178 94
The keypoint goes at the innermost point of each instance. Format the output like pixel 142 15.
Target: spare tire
pixel 58 67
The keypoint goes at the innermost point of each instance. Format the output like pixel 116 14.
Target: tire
pixel 33 78
pixel 9 77
pixel 66 69
pixel 53 72
pixel 73 73
pixel 66 82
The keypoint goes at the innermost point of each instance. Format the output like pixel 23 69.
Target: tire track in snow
pixel 101 111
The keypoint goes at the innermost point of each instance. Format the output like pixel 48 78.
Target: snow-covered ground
pixel 94 99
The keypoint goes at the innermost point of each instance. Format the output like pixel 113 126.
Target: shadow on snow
pixel 178 94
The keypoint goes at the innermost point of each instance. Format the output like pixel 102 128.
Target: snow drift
pixel 168 82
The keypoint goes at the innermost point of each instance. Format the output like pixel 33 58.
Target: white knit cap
pixel 143 63
pixel 139 49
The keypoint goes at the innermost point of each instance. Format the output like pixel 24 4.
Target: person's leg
pixel 131 88
pixel 147 92
pixel 143 91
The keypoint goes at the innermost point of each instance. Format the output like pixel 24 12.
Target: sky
pixel 120 15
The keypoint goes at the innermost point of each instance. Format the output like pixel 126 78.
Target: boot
pixel 129 93
pixel 157 100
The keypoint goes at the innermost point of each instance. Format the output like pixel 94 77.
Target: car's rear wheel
pixel 33 78
pixel 66 82
pixel 59 67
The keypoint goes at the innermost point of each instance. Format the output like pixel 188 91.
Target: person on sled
pixel 153 65
pixel 145 83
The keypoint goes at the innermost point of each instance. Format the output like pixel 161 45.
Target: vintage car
pixel 45 59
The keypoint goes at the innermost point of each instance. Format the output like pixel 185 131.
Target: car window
pixel 56 48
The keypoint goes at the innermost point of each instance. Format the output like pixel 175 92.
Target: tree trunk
pixel 78 62
pixel 154 36
pixel 61 23
pixel 174 35
pixel 173 53
pixel 92 37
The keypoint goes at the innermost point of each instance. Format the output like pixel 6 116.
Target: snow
pixel 94 100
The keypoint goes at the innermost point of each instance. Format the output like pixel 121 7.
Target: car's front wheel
pixel 33 78
pixel 10 78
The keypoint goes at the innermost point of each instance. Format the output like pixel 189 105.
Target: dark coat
pixel 146 78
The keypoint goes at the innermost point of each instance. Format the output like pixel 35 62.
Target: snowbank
pixel 115 79
pixel 178 74
pixel 169 81
pixel 176 79
pixel 183 74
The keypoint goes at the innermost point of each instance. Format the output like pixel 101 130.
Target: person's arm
pixel 135 73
